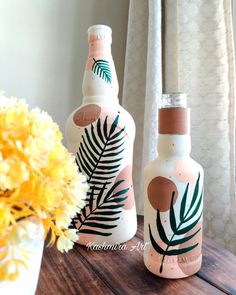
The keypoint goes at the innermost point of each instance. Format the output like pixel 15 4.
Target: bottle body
pixel 173 205
pixel 100 134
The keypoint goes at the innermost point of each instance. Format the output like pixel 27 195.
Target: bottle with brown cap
pixel 100 133
pixel 173 196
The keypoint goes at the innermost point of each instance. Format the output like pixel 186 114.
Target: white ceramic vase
pixel 27 281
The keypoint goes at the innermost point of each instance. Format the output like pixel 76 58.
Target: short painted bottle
pixel 173 196
pixel 100 133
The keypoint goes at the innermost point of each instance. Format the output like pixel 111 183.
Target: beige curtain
pixel 196 56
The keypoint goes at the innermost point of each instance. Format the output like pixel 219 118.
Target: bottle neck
pixel 174 145
pixel 101 99
pixel 174 131
pixel 100 78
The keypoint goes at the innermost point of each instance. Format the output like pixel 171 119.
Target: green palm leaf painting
pixel 100 152
pixel 99 157
pixel 103 211
pixel 101 68
pixel 179 227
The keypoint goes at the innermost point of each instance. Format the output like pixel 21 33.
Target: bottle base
pixel 174 270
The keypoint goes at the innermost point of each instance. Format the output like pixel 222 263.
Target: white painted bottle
pixel 174 195
pixel 100 133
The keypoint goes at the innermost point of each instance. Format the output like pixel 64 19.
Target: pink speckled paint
pixel 173 199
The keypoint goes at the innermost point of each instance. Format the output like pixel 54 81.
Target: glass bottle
pixel 173 196
pixel 100 133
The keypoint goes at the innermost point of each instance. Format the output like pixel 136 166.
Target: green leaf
pixel 102 69
pixel 97 182
pixel 180 251
pixel 115 185
pixel 154 243
pixel 85 162
pixel 99 131
pixel 114 125
pixel 160 228
pixel 195 193
pixel 93 232
pixel 172 214
pixel 105 128
pixel 77 163
pixel 100 194
pixel 83 166
pixel 99 225
pixel 121 192
pixel 113 154
pixel 88 149
pixel 82 149
pixel 91 143
pixel 177 230
pixel 118 133
pixel 103 177
pixel 102 172
pixel 115 147
pixel 106 212
pixel 196 209
pixel 106 167
pixel 110 161
pixel 83 211
pixel 76 219
pixel 95 138
pixel 183 202
pixel 91 200
pixel 118 200
pixel 189 227
pixel 95 147
pixel 103 218
pixel 116 141
pixel 183 240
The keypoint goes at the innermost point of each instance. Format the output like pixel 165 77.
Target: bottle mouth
pixel 174 100
pixel 99 32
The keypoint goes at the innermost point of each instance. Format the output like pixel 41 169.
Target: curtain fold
pixel 134 85
pixel 198 58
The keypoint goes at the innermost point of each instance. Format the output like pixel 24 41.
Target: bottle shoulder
pixel 97 108
pixel 180 167
pixel 89 113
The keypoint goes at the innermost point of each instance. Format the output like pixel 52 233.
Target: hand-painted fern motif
pixel 178 229
pixel 100 152
pixel 99 157
pixel 102 69
pixel 103 210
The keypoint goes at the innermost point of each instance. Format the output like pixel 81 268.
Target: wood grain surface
pixel 121 272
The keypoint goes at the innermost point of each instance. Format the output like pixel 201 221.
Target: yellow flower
pixel 16 173
pixel 38 177
pixel 66 241
pixel 5 218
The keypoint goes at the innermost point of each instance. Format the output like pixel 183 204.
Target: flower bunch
pixel 38 178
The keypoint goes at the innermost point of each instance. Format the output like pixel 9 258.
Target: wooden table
pixel 122 272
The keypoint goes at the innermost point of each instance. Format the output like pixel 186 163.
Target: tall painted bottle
pixel 100 133
pixel 174 195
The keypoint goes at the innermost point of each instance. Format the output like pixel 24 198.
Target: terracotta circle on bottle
pixel 160 191
pixel 87 115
